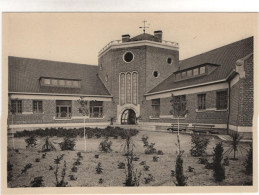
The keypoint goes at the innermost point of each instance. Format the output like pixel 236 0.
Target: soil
pixel 113 176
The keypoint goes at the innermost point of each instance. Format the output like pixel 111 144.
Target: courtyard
pixel 43 165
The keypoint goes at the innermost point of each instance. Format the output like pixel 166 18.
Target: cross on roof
pixel 144 26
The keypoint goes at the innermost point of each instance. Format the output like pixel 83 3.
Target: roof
pixel 144 36
pixel 25 73
pixel 225 57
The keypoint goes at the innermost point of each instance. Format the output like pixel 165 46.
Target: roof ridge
pixel 53 61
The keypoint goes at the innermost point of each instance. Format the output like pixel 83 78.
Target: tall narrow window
pixel 96 109
pixel 201 101
pixel 128 88
pixel 37 106
pixel 16 106
pixel 134 87
pixel 222 100
pixel 202 70
pixel 156 108
pixel 63 108
pixel 122 89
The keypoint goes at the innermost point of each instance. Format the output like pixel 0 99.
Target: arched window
pixel 128 88
pixel 122 88
pixel 134 87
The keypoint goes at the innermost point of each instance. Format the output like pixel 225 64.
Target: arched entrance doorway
pixel 128 117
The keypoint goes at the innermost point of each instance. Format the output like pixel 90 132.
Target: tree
pixel 11 112
pixel 178 110
pixel 83 109
pixel 218 168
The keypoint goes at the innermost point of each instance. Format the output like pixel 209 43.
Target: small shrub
pixel 62 182
pixel 79 155
pixel 190 169
pixel 17 151
pixel 135 158
pixel 172 173
pixel 50 167
pixel 226 161
pixel 67 144
pixel 37 182
pixel 48 146
pixel 96 156
pixel 150 149
pixel 58 159
pixel 144 139
pixel 100 181
pixel 77 162
pixel 105 145
pixel 155 158
pixel 199 145
pixel 99 168
pixel 146 168
pixel 44 155
pixel 203 160
pixel 9 166
pixel 142 163
pixel 74 169
pixel 121 165
pixel 180 178
pixel 26 167
pixel 160 152
pixel 149 178
pixel 72 178
pixel 98 135
pixel 249 161
pixel 37 160
pixel 31 141
pixel 218 168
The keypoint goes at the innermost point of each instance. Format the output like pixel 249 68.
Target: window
pixel 122 89
pixel 183 74
pixel 201 101
pixel 195 71
pixel 189 73
pixel 156 108
pixel 61 82
pixel 134 87
pixel 222 100
pixel 46 81
pixel 16 106
pixel 68 83
pixel 202 70
pixel 37 106
pixel 96 109
pixel 128 57
pixel 179 105
pixel 128 88
pixel 155 74
pixel 169 60
pixel 63 108
pixel 76 83
pixel 54 82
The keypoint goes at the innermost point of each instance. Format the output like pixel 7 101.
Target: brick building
pixel 133 83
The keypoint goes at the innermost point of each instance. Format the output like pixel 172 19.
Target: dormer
pixel 60 82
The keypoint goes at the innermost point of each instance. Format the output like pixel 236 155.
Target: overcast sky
pixel 74 37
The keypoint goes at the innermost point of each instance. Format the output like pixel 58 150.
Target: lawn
pixel 112 176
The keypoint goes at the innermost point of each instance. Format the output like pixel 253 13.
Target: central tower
pixel 131 67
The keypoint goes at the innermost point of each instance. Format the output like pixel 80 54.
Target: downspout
pixel 228 107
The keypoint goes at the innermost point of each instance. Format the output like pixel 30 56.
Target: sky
pixel 77 37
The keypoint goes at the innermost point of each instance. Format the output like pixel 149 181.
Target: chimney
pixel 125 38
pixel 158 35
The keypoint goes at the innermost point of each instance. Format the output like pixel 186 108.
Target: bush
pixel 249 161
pixel 144 139
pixel 26 167
pixel 100 181
pixel 218 168
pixel 190 169
pixel 9 171
pixel 105 145
pixel 203 161
pixel 146 167
pixel 31 141
pixel 160 152
pixel 48 146
pixel 99 168
pixel 37 160
pixel 37 182
pixel 74 169
pixel 150 149
pixel 67 144
pixel 155 158
pixel 180 178
pixel 72 178
pixel 199 145
pixel 226 161
pixel 58 159
pixel 149 178
pixel 121 165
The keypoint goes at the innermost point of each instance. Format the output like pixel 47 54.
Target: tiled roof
pixel 225 57
pixel 144 36
pixel 24 75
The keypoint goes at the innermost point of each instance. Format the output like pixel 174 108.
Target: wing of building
pixel 133 83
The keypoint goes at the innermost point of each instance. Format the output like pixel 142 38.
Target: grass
pixel 86 174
